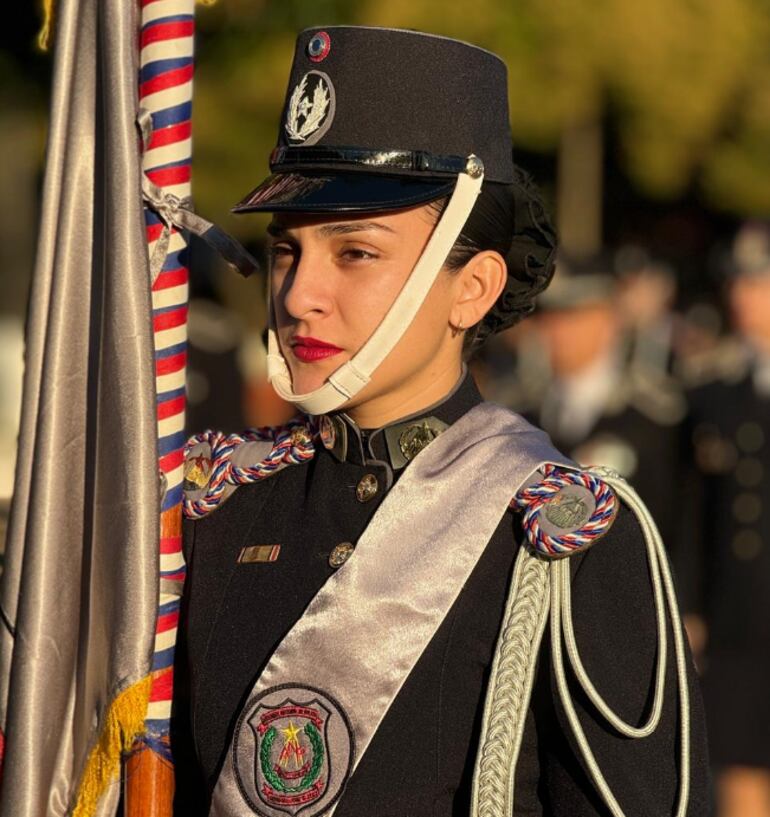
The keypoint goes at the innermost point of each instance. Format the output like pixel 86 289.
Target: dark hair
pixel 510 219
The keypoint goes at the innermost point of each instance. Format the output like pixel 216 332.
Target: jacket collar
pixel 397 443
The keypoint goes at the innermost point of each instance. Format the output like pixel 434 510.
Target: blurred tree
pixel 686 84
pixel 23 90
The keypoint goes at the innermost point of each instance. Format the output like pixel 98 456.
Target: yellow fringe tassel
pixel 44 37
pixel 125 721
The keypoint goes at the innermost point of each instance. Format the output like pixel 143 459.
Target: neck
pixel 409 397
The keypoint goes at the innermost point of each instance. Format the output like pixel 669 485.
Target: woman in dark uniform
pixel 368 588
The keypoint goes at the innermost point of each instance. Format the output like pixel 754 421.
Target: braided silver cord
pixel 510 687
pixel 561 612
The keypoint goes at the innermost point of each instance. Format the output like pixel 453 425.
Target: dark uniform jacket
pixel 723 559
pixel 420 761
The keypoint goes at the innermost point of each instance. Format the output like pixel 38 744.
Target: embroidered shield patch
pixel 292 752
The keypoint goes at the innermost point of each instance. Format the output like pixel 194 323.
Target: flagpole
pixel 165 92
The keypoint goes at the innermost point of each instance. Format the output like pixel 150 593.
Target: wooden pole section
pixel 165 92
pixel 579 188
pixel 148 777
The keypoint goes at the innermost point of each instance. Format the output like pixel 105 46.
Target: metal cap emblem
pixel 311 109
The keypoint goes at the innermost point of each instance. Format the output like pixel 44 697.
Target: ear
pixel 480 283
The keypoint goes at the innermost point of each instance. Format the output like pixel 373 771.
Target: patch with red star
pixel 292 751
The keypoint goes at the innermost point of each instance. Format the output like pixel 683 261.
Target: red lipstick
pixel 310 349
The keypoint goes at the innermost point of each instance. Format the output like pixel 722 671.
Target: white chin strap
pixel 353 375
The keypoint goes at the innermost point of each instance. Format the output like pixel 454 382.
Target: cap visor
pixel 344 192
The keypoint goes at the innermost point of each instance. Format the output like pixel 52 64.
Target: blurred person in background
pixel 723 557
pixel 577 380
pixel 645 295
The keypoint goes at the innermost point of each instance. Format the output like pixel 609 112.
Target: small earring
pixel 457 329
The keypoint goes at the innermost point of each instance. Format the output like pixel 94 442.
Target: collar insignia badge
pixel 327 433
pixel 311 108
pixel 415 438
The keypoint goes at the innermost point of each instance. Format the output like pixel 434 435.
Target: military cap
pixel 378 119
pixel 579 281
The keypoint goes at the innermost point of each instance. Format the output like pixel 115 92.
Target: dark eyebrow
pixel 352 227
pixel 278 230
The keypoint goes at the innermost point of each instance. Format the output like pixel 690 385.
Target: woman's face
pixel 334 277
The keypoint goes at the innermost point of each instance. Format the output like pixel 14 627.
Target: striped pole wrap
pixel 533 499
pixel 165 92
pixel 292 445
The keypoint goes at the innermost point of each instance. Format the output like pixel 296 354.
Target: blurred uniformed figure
pixel 603 393
pixel 645 295
pixel 724 556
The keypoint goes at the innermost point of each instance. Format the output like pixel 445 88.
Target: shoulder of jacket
pixel 566 510
pixel 216 464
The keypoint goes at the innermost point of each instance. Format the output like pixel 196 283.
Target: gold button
pixel 367 488
pixel 341 553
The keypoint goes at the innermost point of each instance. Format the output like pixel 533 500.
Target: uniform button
pixel 341 553
pixel 747 508
pixel 750 437
pixel 746 545
pixel 367 488
pixel 749 472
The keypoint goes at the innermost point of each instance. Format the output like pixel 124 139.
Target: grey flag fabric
pixel 80 586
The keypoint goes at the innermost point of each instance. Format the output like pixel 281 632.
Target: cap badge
pixel 311 108
pixel 319 46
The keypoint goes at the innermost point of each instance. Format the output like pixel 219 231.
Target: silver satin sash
pixel 343 663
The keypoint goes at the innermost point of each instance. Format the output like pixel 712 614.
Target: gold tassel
pixel 124 722
pixel 44 36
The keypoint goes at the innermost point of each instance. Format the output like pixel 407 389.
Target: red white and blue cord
pixel 292 445
pixel 533 499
